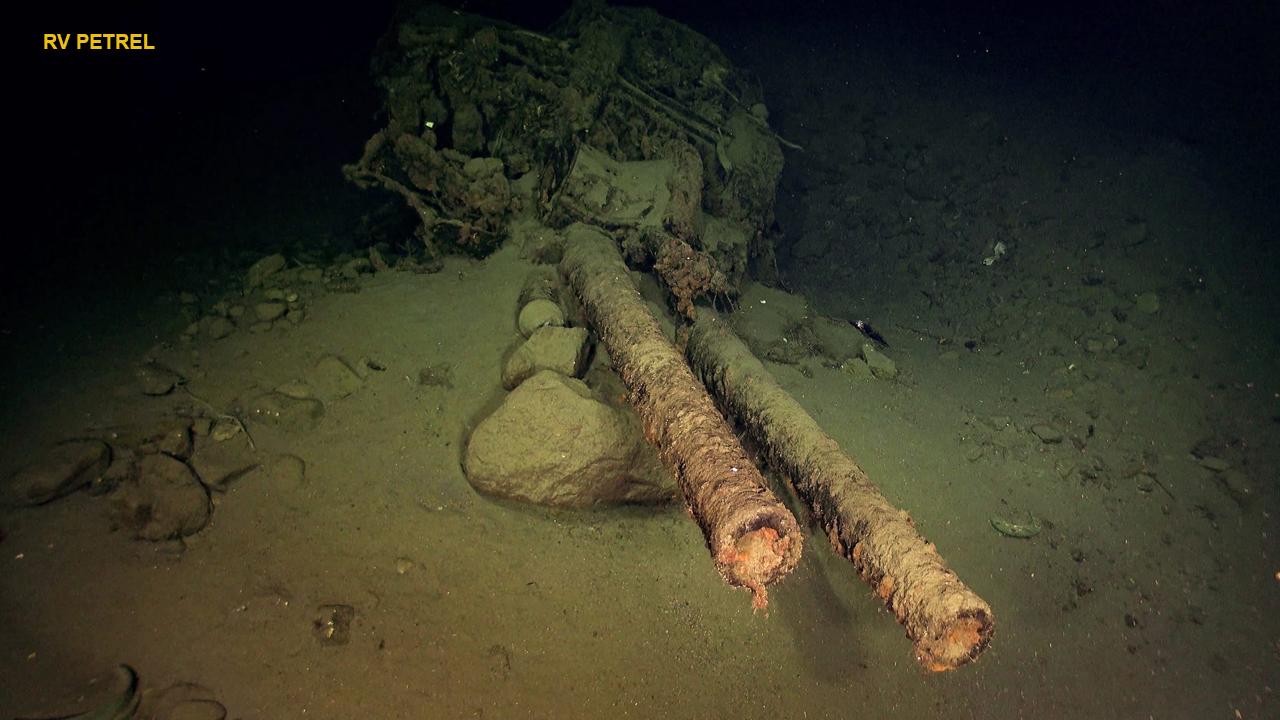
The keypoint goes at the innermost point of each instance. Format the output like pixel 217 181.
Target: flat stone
pixel 1147 303
pixel 1215 464
pixel 268 311
pixel 156 379
pixel 288 471
pixel 881 365
pixel 218 464
pixel 856 368
pixel 287 412
pixel 1047 433
pixel 333 378
pixel 60 471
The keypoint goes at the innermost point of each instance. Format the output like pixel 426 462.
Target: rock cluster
pixel 159 480
pixel 553 441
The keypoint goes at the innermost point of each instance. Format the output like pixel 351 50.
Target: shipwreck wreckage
pixel 634 141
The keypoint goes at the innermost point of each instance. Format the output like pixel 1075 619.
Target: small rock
pixel 1238 487
pixel 215 327
pixel 1215 464
pixel 563 350
pixel 261 270
pixel 296 389
pixel 333 378
pixel 1147 303
pixel 224 428
pixel 62 470
pixel 996 422
pixel 268 311
pixel 332 625
pixel 353 268
pixel 404 565
pixel 879 363
pixel 539 313
pixel 478 168
pixel 285 471
pixel 273 295
pixel 173 439
pixel 1047 433
pixel 857 368
pixel 156 379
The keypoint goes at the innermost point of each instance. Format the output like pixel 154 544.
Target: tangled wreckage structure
pixel 619 118
pixel 636 140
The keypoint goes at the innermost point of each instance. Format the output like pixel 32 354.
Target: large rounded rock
pixel 164 501
pixel 552 443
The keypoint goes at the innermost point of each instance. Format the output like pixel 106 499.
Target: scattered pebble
pixel 332 625
pixel 1047 433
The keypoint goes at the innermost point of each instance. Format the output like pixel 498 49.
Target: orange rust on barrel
pixel 755 556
